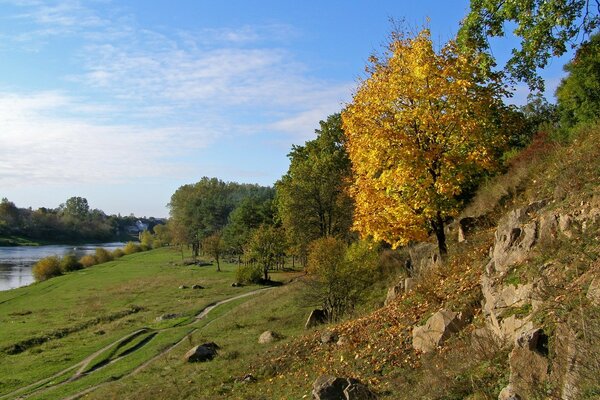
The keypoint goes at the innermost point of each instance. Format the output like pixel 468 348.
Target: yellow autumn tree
pixel 419 128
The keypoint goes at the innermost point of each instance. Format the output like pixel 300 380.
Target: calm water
pixel 16 262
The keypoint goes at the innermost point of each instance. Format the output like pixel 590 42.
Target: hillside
pixel 521 276
pixel 525 282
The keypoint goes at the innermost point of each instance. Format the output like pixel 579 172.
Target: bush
pixel 118 253
pixel 146 240
pixel 47 268
pixel 88 260
pixel 103 255
pixel 69 263
pixel 248 274
pixel 341 274
pixel 131 248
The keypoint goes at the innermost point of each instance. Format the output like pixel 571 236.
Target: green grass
pixel 60 322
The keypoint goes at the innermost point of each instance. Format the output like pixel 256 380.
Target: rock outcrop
pixel 438 328
pixel 528 365
pixel 424 256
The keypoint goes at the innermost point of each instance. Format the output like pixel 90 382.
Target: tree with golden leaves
pixel 420 128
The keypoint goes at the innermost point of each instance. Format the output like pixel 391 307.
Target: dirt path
pixel 83 365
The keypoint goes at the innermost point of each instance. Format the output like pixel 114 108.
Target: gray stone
pixel 358 391
pixel 328 387
pixel 394 292
pixel 165 317
pixel 424 256
pixel 268 337
pixel 329 337
pixel 316 317
pixel 439 327
pixel 201 353
pixel 593 293
pixel 508 393
pixel 409 284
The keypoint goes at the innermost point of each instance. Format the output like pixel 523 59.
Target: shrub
pixel 146 240
pixel 103 255
pixel 248 274
pixel 131 248
pixel 341 274
pixel 69 263
pixel 47 268
pixel 118 253
pixel 88 260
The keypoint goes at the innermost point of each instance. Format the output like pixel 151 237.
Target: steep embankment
pixel 514 312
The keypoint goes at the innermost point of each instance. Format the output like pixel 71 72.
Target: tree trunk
pixel 438 228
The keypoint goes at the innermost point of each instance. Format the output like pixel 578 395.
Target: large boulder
pixel 201 353
pixel 328 387
pixel 316 317
pixel 268 337
pixel 439 327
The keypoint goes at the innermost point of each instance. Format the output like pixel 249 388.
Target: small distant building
pixel 138 227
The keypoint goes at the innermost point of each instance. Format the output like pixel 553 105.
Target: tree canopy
pixel 418 129
pixel 546 29
pixel 311 198
pixel 198 210
pixel 579 93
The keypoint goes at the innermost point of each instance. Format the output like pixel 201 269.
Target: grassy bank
pixel 51 326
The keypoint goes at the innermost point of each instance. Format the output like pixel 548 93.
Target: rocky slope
pixel 513 313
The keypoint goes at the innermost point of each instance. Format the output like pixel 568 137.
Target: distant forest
pixel 71 222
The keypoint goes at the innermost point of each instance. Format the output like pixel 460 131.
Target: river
pixel 16 263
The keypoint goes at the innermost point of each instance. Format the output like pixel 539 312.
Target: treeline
pixel 73 221
pixel 396 165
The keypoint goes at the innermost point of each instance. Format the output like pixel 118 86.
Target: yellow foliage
pixel 421 126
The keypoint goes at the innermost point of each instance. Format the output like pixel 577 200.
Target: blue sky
pixel 122 102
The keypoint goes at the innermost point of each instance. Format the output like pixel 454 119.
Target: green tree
pixel 213 245
pixel 10 217
pixel 546 29
pixel 266 245
pixel 340 274
pixel 200 209
pixel 162 235
pixel 311 197
pixel 76 207
pixel 250 213
pixel 579 93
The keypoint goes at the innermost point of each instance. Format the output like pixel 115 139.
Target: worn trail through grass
pixel 85 367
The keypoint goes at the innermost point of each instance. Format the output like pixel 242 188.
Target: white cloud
pixel 36 147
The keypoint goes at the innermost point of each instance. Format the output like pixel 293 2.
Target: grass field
pixel 100 324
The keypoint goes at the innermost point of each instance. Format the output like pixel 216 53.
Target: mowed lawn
pixel 53 325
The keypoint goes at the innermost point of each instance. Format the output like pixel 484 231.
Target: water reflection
pixel 16 262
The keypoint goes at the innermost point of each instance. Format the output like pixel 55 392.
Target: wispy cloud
pixel 37 146
pixel 156 95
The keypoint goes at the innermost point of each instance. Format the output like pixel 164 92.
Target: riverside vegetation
pixel 481 218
